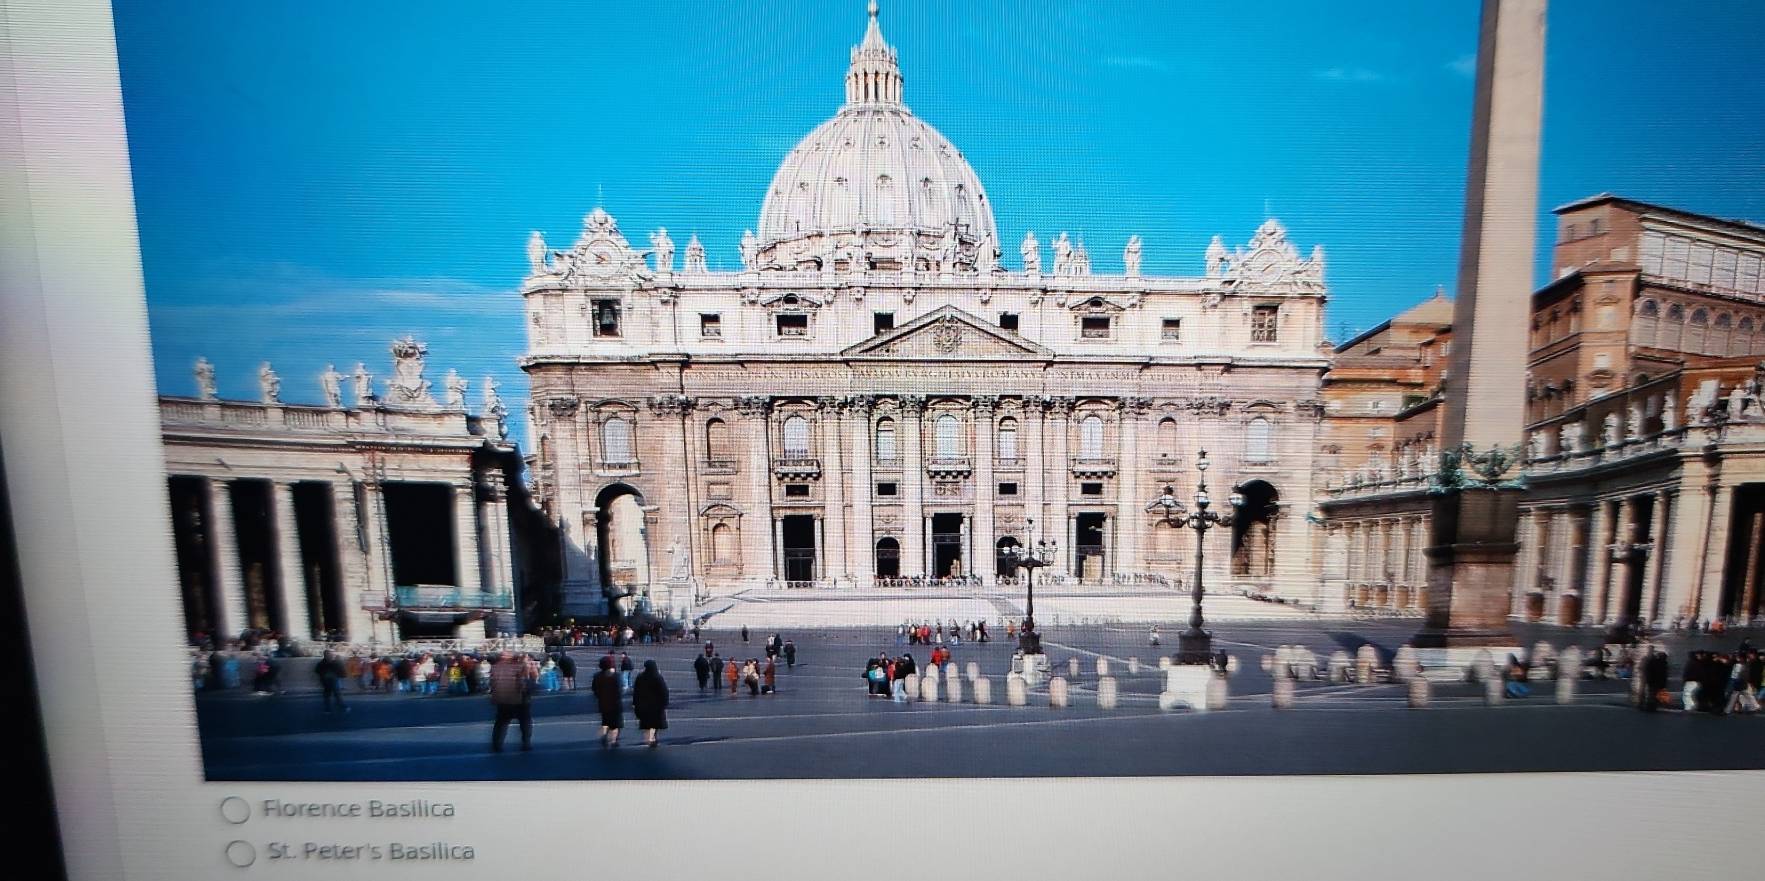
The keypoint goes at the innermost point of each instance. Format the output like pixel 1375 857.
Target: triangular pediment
pixel 947 332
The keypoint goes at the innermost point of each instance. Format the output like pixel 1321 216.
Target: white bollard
pixel 1072 667
pixel 911 681
pixel 1107 696
pixel 1404 665
pixel 1016 693
pixel 1167 700
pixel 1492 691
pixel 1133 666
pixel 1164 662
pixel 1483 666
pixel 1270 662
pixel 1365 660
pixel 953 690
pixel 930 672
pixel 1340 667
pixel 1102 667
pixel 1418 692
pixel 1283 693
pixel 1057 695
pixel 1566 685
pixel 1309 661
pixel 1231 663
pixel 928 690
pixel 1217 693
pixel 1543 653
pixel 974 671
pixel 950 672
pixel 983 690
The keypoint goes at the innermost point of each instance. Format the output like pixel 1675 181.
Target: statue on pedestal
pixel 1131 257
pixel 664 248
pixel 750 249
pixel 1062 254
pixel 536 253
pixel 1031 251
pixel 695 254
pixel 495 409
pixel 269 385
pixel 364 385
pixel 331 383
pixel 205 387
pixel 456 390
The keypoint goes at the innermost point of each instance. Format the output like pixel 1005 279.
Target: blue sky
pixel 314 179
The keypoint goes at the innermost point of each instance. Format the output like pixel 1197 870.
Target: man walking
pixel 330 672
pixel 702 671
pixel 511 692
pixel 790 655
pixel 626 671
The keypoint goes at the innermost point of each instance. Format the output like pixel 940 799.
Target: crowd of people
pixel 715 673
pixel 935 633
pixel 578 635
pixel 886 677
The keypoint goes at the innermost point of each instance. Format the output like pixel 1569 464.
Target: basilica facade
pixel 876 399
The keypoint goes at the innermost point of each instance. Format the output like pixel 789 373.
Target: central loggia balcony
pixel 796 468
pixel 445 597
pixel 949 467
pixel 1093 467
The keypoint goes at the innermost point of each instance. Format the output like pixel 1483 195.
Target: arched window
pixel 1672 332
pixel 1696 331
pixel 1008 438
pixel 722 543
pixel 717 447
pixel 796 437
pixel 616 448
pixel 1259 440
pixel 885 439
pixel 1167 438
pixel 1091 437
pixel 1648 322
pixel 949 437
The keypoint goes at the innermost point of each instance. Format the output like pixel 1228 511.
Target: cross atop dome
pixel 875 74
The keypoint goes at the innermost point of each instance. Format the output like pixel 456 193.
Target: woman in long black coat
pixel 610 698
pixel 649 699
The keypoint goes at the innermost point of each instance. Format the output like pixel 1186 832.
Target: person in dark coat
pixel 701 670
pixel 609 697
pixel 1654 680
pixel 744 633
pixel 330 672
pixel 790 655
pixel 649 700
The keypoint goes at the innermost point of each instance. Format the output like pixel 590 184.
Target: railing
pixel 949 466
pixel 796 466
pixel 245 416
pixel 180 411
pixel 425 597
pixel 307 418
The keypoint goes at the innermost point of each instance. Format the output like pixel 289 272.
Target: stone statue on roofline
pixel 494 408
pixel 1062 254
pixel 1031 251
pixel 750 249
pixel 269 385
pixel 456 390
pixel 695 254
pixel 536 253
pixel 205 385
pixel 364 385
pixel 1131 257
pixel 331 384
pixel 664 249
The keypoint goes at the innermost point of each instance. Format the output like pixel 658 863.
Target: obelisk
pixel 1476 507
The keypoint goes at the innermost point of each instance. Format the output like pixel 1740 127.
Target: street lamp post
pixel 1195 645
pixel 1030 558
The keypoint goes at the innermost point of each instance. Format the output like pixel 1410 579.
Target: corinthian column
pixel 1059 519
pixel 469 571
pixel 758 559
pixel 1035 466
pixel 861 540
pixel 984 488
pixel 1130 491
pixel 913 486
pixel 231 617
pixel 833 480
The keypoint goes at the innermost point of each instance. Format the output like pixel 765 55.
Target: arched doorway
pixel 1005 565
pixel 624 546
pixel 1253 532
pixel 888 558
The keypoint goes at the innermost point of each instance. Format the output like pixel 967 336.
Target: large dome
pixel 874 167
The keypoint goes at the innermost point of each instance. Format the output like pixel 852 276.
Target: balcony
pixel 1093 467
pixel 444 597
pixel 949 467
pixel 796 468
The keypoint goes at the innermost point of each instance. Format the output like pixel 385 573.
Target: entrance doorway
pixel 623 541
pixel 1004 564
pixel 1088 543
pixel 799 547
pixel 947 546
pixel 888 558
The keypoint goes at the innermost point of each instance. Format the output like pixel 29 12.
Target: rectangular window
pixel 793 325
pixel 606 317
pixel 1094 327
pixel 1008 489
pixel 1090 489
pixel 1262 324
pixel 882 322
pixel 1008 321
pixel 1171 329
pixel 796 490
pixel 885 489
pixel 710 324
